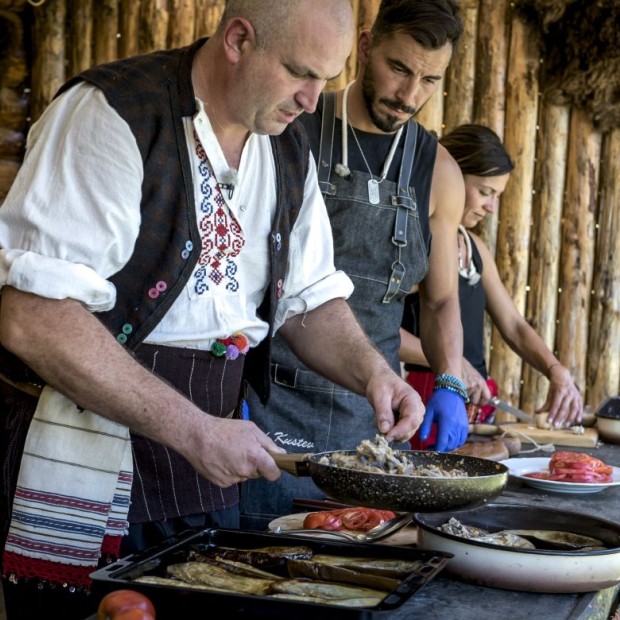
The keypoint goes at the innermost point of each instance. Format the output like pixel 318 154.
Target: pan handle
pixel 296 464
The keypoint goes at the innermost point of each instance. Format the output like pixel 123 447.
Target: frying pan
pixel 486 480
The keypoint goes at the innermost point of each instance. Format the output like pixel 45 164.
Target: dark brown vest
pixel 153 93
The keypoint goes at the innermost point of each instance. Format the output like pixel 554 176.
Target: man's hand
pixel 388 393
pixel 230 451
pixel 446 409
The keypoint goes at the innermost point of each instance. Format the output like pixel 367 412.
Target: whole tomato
pixel 125 605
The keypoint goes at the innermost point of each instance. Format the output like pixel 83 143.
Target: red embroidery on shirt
pixel 221 236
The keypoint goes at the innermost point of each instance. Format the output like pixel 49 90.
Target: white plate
pixel 406 536
pixel 518 467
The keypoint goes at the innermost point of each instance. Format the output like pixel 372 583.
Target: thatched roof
pixel 581 54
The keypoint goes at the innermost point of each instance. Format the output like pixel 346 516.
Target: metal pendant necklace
pixel 373 184
pixel 470 272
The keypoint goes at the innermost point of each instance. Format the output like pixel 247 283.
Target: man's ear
pixel 364 45
pixel 239 35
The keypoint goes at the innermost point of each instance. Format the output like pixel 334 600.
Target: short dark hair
pixel 478 150
pixel 431 23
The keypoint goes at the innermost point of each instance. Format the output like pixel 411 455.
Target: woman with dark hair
pixel 486 168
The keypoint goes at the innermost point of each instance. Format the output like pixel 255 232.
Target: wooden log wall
pixel 555 239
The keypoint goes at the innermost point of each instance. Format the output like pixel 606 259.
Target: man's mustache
pixel 399 106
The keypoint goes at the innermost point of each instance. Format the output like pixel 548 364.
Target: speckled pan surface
pixel 486 481
pixel 528 570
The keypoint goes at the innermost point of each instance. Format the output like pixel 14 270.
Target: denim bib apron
pixel 381 248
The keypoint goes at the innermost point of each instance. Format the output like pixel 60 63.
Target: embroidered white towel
pixel 74 484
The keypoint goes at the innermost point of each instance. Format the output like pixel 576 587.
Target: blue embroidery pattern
pixel 221 236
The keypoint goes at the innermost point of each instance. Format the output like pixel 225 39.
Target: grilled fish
pixel 199 572
pixel 261 557
pixel 327 591
pixel 505 539
pixel 559 540
pixel 238 568
pixel 377 566
pixel 176 583
pixel 341 602
pixel 342 574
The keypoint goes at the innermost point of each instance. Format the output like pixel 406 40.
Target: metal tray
pixel 173 602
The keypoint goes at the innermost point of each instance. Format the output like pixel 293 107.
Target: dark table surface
pixel 445 597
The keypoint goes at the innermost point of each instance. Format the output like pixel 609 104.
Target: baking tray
pixel 174 602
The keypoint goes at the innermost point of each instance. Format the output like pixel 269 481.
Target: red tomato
pixel 356 518
pixel 539 475
pixel 324 520
pixel 125 605
pixel 579 467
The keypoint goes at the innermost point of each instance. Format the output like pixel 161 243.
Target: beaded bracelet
pixel 454 384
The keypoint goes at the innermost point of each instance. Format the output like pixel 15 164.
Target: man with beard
pixel 389 189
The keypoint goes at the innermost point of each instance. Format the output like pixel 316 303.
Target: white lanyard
pixel 373 184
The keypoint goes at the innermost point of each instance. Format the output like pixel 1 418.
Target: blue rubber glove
pixel 446 409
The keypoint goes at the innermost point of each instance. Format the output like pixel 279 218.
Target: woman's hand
pixel 564 402
pixel 477 388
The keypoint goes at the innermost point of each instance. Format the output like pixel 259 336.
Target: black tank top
pixel 473 301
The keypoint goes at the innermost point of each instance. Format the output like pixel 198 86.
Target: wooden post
pixel 490 83
pixel 431 115
pixel 515 216
pixel 81 37
pixel 490 99
pixel 545 245
pixel 106 31
pixel 603 364
pixel 208 14
pixel 154 18
pixel 129 25
pixel 577 260
pixel 48 72
pixel 460 76
pixel 182 23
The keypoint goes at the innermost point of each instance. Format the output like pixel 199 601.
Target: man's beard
pixel 387 124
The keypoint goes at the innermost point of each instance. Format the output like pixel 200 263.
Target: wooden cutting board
pixel 559 437
pixel 406 536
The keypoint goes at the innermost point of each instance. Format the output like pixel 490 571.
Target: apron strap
pixel 327 140
pixel 403 203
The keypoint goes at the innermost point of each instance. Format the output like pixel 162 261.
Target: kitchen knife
pixel 521 415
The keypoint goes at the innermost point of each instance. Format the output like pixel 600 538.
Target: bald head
pixel 273 19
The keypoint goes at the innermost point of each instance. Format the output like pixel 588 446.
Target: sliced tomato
pixel 577 460
pixel 362 519
pixel 355 518
pixel 539 475
pixel 323 520
pixel 577 467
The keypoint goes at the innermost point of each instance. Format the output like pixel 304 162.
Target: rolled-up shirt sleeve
pixel 72 216
pixel 312 278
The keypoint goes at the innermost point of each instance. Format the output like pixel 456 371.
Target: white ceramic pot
pixel 527 570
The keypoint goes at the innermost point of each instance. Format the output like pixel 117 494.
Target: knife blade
pixel 518 413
